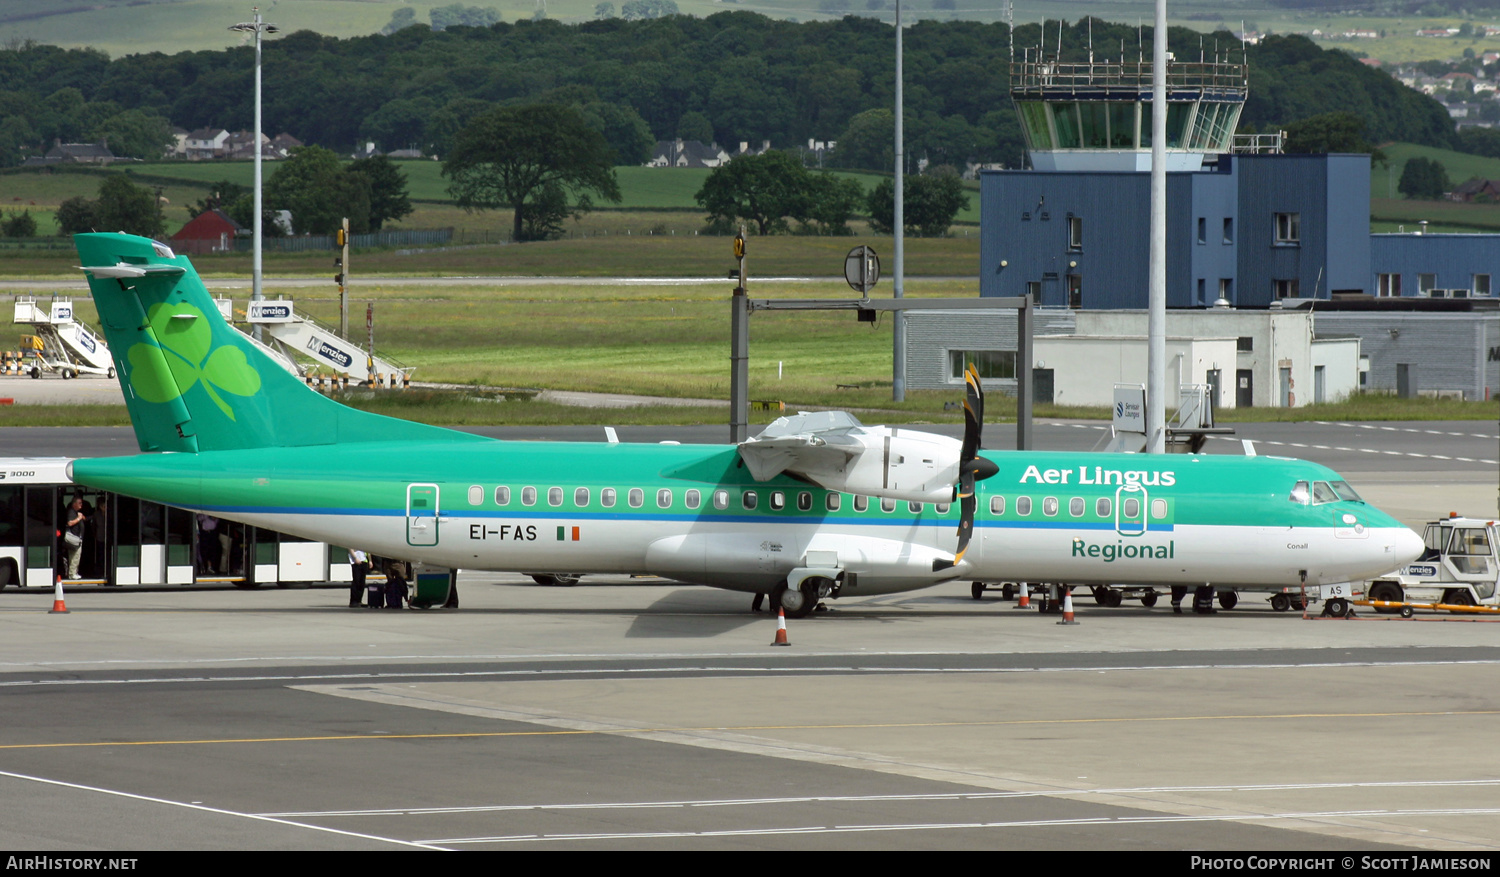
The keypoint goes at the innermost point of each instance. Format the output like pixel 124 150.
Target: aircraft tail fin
pixel 194 383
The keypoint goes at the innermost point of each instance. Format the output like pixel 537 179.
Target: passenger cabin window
pixel 861 502
pixel 1076 506
pixel 581 496
pixel 1323 492
pixel 1299 493
pixel 664 498
pixel 554 496
pixel 1158 509
pixel 692 499
pixel 887 505
pixel 833 501
pixel 804 501
pixel 528 496
pixel 1130 507
pixel 1049 506
pixel 607 497
pixel 942 508
pixel 778 500
pixel 502 496
pixel 636 497
pixel 721 499
pixel 750 499
pixel 914 507
pixel 476 495
pixel 1023 505
pixel 997 505
pixel 1102 507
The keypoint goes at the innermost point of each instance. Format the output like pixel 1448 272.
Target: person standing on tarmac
pixel 73 535
pixel 359 565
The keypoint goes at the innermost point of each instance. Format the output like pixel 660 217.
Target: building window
pixel 1201 287
pixel 1388 286
pixel 1034 289
pixel 989 363
pixel 1228 230
pixel 1245 344
pixel 1226 289
pixel 1075 232
pixel 1075 290
pixel 1288 228
pixel 1202 230
pixel 1425 283
pixel 1287 288
pixel 1481 284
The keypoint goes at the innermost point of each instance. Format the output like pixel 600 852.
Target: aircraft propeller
pixel 971 466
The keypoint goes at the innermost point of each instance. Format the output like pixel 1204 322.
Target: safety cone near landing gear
pixel 1067 607
pixel 780 628
pixel 1023 596
pixel 59 606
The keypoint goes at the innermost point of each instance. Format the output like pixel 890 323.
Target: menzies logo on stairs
pixel 329 352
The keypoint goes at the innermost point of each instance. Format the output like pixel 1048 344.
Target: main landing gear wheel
pixel 1338 607
pixel 1228 599
pixel 1281 602
pixel 563 579
pixel 1007 591
pixel 976 590
pixel 796 602
pixel 1148 599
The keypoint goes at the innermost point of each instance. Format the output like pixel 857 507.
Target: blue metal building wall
pixel 1454 258
pixel 1214 199
pixel 1348 200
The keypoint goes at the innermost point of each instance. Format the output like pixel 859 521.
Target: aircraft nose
pixel 1408 546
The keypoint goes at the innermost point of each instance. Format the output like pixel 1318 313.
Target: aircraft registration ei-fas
pixel 817 506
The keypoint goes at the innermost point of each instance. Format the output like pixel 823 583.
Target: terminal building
pixel 1249 229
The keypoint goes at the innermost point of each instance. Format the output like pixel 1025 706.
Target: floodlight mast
pixel 898 282
pixel 1156 313
pixel 257 27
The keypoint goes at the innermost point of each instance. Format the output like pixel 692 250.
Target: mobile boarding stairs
pixel 291 332
pixel 59 344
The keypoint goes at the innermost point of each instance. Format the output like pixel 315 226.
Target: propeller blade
pixel 973 413
pixel 966 504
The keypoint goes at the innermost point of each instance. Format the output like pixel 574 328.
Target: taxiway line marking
pixel 838 726
pixel 218 810
pixel 838 799
pixel 948 826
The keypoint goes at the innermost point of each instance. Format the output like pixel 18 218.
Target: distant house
pixel 686 153
pixel 212 231
pixel 1475 189
pixel 283 144
pixel 73 153
pixel 206 143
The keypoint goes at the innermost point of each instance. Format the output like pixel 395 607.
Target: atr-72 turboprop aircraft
pixel 818 506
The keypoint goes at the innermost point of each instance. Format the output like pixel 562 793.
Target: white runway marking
pixel 218 810
pixel 949 826
pixel 843 799
pixel 761 670
pixel 1346 425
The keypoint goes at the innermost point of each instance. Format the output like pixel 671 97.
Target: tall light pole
pixel 898 283
pixel 1156 312
pixel 257 27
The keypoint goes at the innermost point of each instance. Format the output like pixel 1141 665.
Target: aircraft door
pixel 1130 510
pixel 421 514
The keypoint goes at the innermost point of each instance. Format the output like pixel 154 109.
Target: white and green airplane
pixel 816 507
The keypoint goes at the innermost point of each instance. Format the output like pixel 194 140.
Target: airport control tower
pixel 1096 115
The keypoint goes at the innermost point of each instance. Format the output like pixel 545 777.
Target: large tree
pixel 319 192
pixel 1424 178
pixel 123 206
pixel 531 159
pixel 387 184
pixel 930 204
pixel 767 189
pixel 1338 131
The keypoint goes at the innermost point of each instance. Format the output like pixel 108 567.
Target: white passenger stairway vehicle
pixel 295 333
pixel 61 344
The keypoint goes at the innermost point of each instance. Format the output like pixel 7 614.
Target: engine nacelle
pixel 898 464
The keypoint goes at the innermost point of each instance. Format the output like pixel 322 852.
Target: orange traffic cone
pixel 1067 607
pixel 59 607
pixel 1023 596
pixel 780 628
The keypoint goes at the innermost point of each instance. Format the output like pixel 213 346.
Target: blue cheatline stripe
pixel 867 519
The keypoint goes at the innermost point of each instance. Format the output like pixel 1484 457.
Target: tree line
pixel 730 77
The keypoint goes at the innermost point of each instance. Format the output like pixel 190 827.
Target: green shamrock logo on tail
pixel 185 338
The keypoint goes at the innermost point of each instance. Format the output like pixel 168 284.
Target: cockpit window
pixel 1299 493
pixel 1322 493
pixel 1345 492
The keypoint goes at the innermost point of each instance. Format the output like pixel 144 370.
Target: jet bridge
pixel 59 342
pixel 292 333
